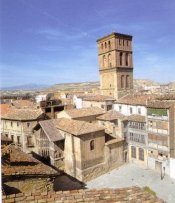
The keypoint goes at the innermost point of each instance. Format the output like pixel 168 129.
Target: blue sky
pixel 54 41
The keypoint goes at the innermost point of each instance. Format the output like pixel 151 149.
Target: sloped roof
pixel 76 127
pixel 23 104
pixel 137 118
pixel 50 130
pixel 23 163
pixel 84 112
pixel 98 98
pixel 165 104
pixel 130 194
pixel 111 115
pixel 22 114
pixel 4 109
pixel 135 99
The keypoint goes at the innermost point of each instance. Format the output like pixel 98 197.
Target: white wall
pixel 41 97
pixel 125 109
pixel 172 168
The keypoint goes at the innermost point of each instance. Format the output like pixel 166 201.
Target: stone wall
pixel 30 185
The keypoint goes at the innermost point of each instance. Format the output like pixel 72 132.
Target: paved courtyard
pixel 132 175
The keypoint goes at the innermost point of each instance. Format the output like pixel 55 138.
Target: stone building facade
pixel 18 125
pixel 79 147
pixel 115 64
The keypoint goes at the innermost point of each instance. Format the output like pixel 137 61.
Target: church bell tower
pixel 115 64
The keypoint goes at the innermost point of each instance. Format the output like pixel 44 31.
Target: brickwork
pixel 115 64
pixel 132 195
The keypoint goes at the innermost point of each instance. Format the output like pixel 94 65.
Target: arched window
pixel 127 81
pixel 121 58
pixel 109 44
pixel 105 45
pixel 92 145
pixel 109 60
pixel 122 81
pixel 102 46
pixel 104 61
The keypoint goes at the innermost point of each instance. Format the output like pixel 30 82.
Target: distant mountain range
pixel 78 86
pixel 25 87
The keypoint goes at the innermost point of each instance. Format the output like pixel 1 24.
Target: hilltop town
pixel 56 141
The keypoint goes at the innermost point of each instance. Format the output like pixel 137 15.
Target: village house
pixel 23 173
pixel 113 123
pixel 137 139
pixel 78 146
pixel 161 136
pixel 91 100
pixel 17 124
pixel 84 114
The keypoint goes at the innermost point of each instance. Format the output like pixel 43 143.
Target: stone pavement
pixel 133 175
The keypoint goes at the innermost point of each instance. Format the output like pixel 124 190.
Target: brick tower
pixel 115 64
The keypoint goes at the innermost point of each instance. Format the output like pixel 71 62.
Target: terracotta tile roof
pixel 22 114
pixel 136 99
pixel 137 118
pixel 4 109
pixel 84 112
pixel 116 140
pixel 76 127
pixel 111 115
pixel 16 162
pixel 130 194
pixel 50 130
pixel 23 104
pixel 160 104
pixel 98 98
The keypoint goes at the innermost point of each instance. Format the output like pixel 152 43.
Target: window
pixel 6 135
pixel 17 123
pixel 127 42
pixel 105 45
pixel 12 138
pixel 133 152
pixel 29 141
pixel 120 41
pixel 11 124
pixel 18 140
pixel 109 44
pixel 139 110
pixel 92 145
pixel 122 81
pixel 102 106
pixel 109 60
pixel 130 110
pixel 116 122
pixel 28 124
pixel 127 59
pixel 123 42
pixel 102 46
pixel 121 58
pixel 104 61
pixel 141 154
pixel 127 81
